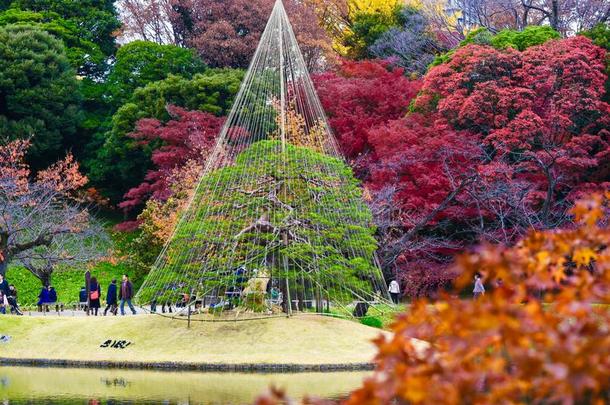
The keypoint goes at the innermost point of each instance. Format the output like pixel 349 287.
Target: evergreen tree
pixel 38 92
pixel 139 63
pixel 294 239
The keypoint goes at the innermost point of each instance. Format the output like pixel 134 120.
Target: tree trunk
pixel 287 297
pixel 319 308
pixel 555 15
pixel 45 278
pixel 284 290
pixel 3 266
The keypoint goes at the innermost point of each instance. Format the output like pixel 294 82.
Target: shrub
pixel 372 321
pixel 521 40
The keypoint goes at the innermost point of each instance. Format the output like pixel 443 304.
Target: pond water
pixel 62 386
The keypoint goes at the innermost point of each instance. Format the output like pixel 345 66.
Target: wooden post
pixel 289 306
pixel 88 288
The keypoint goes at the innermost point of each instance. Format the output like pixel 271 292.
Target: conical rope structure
pixel 277 223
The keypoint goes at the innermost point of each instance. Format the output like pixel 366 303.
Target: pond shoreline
pixel 263 368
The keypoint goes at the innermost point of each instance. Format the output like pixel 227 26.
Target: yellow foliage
pixel 385 7
pixel 296 130
pixel 158 219
pixel 338 16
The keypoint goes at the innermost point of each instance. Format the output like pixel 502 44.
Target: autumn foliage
pixel 540 336
pixel 496 143
pixel 180 149
pixel 359 96
pixel 44 221
pixel 188 136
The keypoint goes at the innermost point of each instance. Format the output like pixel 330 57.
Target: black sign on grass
pixel 115 344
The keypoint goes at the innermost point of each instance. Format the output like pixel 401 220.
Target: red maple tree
pixel 498 142
pixel 359 96
pixel 186 137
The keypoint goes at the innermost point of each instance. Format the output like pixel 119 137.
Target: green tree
pixel 368 27
pixel 97 19
pixel 136 65
pixel 121 162
pixel 139 63
pixel 296 199
pixel 85 56
pixel 39 95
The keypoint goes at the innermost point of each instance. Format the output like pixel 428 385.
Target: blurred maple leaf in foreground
pixel 539 335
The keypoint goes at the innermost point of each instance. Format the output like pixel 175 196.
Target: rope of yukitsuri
pixel 276 223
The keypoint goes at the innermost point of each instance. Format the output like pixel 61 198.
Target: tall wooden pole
pixel 88 288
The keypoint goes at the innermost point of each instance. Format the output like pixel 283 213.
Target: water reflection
pixel 30 385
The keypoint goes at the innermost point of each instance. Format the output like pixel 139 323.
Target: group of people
pixel 119 295
pixel 116 296
pixel 8 297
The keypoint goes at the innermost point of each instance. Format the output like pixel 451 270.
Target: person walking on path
pixel 394 290
pixel 479 288
pixel 111 298
pixel 95 294
pixel 125 294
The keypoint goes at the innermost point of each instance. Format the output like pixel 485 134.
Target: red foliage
pixel 536 130
pixel 539 111
pixel 502 142
pixel 225 33
pixel 188 136
pixel 360 96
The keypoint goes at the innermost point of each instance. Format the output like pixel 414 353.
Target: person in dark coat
pixel 111 298
pixel 4 285
pixel 82 298
pixel 47 296
pixel 52 295
pixel 3 302
pixel 43 297
pixel 125 294
pixel 95 294
pixel 12 300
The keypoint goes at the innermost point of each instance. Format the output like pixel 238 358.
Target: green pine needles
pixel 301 221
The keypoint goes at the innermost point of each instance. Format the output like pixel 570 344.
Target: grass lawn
pixel 307 339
